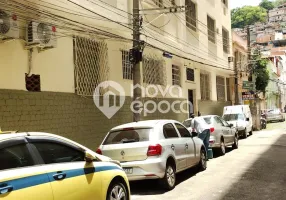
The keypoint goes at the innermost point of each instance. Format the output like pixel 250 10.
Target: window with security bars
pixel 127 66
pixel 176 75
pixel 225 2
pixel 228 89
pixel 190 74
pixel 225 39
pixel 191 15
pixel 220 87
pixel 154 71
pixel 211 29
pixel 159 3
pixel 205 86
pixel 91 64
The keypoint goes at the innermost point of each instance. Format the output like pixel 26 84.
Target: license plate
pixel 128 170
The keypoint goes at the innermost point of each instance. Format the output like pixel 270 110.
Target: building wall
pixel 64 114
pixel 57 109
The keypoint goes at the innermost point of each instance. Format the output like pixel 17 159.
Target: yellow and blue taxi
pixel 44 166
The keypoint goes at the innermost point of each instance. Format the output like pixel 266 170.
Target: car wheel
pixel 244 133
pixel 169 179
pixel 117 191
pixel 222 148
pixel 235 142
pixel 250 133
pixel 202 166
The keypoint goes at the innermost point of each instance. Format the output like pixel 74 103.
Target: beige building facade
pixel 50 87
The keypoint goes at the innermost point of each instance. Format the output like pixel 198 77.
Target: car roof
pixel 11 134
pixel 143 124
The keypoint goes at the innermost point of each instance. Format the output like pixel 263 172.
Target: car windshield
pixel 208 120
pixel 127 136
pixel 187 123
pixel 233 117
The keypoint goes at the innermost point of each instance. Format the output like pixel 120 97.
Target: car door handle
pixel 173 147
pixel 4 189
pixel 59 176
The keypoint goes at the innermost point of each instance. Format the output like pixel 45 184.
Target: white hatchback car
pixel 156 149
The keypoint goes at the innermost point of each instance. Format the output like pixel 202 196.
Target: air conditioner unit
pixel 230 59
pixel 9 28
pixel 41 35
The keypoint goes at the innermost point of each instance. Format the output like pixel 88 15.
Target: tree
pixel 279 2
pixel 267 5
pixel 247 15
pixel 262 75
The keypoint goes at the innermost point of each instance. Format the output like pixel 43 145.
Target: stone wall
pixel 212 107
pixel 64 114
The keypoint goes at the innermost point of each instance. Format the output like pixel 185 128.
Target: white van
pixel 241 118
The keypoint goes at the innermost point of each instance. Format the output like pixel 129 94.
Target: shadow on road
pixel 152 187
pixel 265 179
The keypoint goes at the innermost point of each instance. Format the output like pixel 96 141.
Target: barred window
pixel 176 75
pixel 91 64
pixel 225 2
pixel 205 86
pixel 211 29
pixel 154 71
pixel 220 87
pixel 228 89
pixel 225 39
pixel 191 15
pixel 159 3
pixel 127 66
pixel 190 74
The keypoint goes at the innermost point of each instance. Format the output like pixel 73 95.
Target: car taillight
pixel 212 129
pixel 98 151
pixel 154 150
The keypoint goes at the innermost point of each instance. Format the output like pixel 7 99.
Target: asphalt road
pixel 256 170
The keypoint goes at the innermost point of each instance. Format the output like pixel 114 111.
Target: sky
pixel 240 3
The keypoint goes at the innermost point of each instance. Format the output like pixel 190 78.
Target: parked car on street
pixel 156 149
pixel 274 115
pixel 240 117
pixel 222 133
pixel 49 167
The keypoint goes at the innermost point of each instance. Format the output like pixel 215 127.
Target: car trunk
pixel 126 152
pixel 127 144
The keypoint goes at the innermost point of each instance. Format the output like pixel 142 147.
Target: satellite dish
pixel 44 33
pixel 4 22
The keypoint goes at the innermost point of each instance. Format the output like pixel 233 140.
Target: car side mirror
pixel 247 119
pixel 230 125
pixel 89 158
pixel 194 134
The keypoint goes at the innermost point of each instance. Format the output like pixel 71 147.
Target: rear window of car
pixel 208 120
pixel 187 123
pixel 128 136
pixel 233 117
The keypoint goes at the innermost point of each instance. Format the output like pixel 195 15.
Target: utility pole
pixel 236 78
pixel 137 57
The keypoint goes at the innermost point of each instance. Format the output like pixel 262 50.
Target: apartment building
pixel 240 52
pixel 277 14
pixel 61 50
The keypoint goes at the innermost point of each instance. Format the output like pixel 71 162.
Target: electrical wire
pixel 185 42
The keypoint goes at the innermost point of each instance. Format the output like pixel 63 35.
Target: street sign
pixel 248 85
pixel 248 96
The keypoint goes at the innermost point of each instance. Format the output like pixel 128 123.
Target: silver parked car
pixel 156 149
pixel 274 115
pixel 222 133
